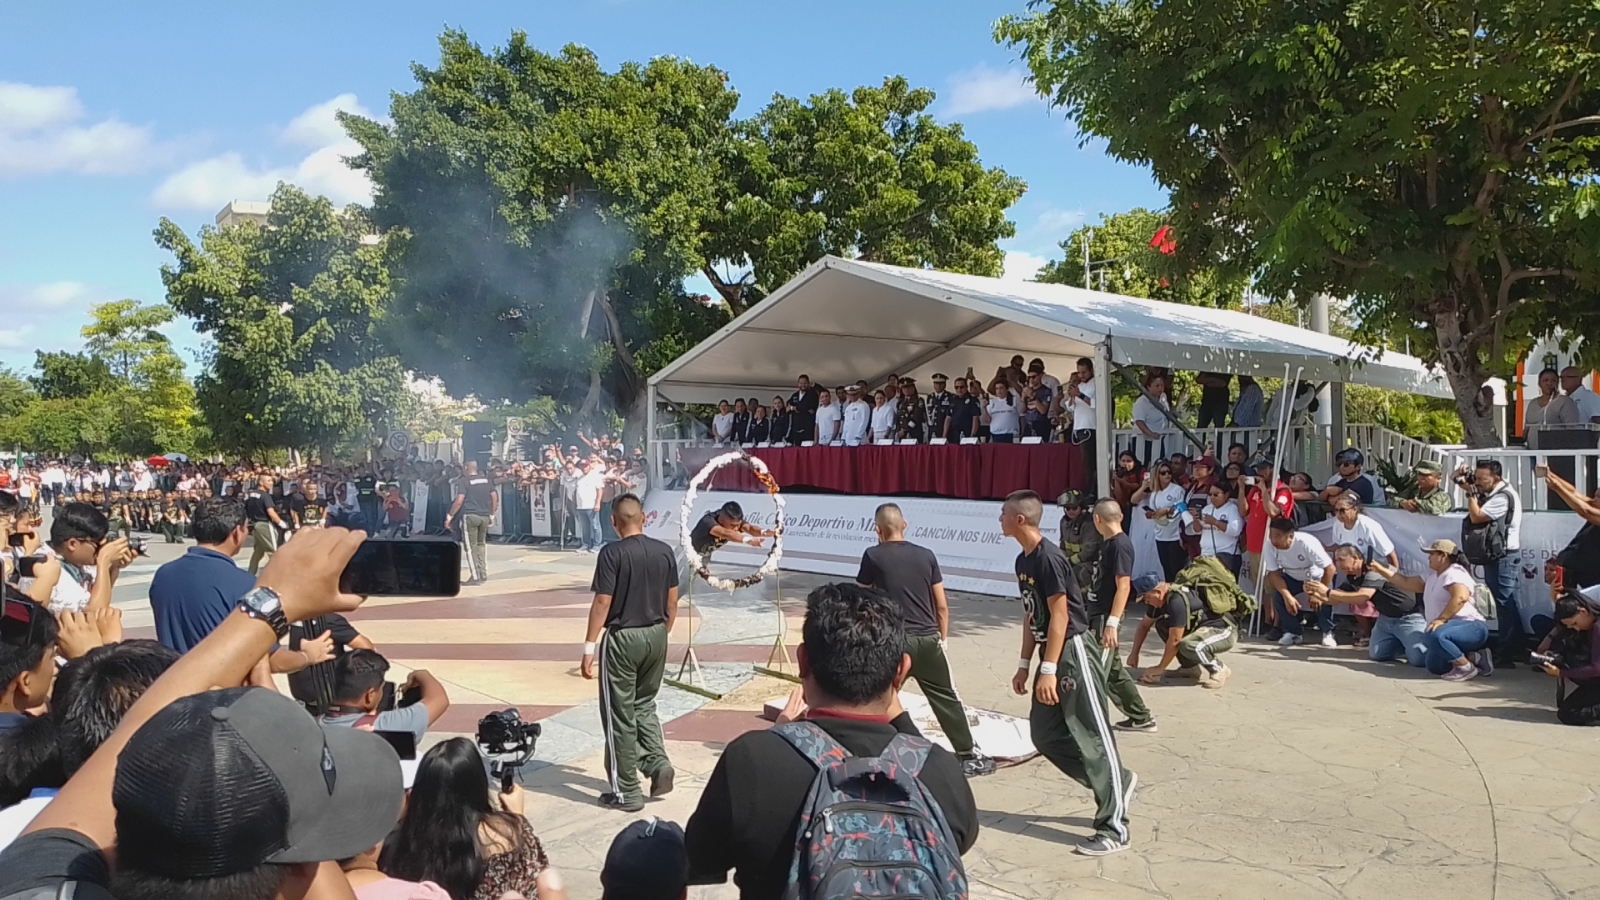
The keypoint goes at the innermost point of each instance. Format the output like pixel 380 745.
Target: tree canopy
pixel 1434 163
pixel 1123 260
pixel 292 311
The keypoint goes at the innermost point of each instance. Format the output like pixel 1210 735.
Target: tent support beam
pixel 1105 438
pixel 926 357
pixel 651 444
pixel 1165 412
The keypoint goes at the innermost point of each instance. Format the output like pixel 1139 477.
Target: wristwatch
pixel 265 605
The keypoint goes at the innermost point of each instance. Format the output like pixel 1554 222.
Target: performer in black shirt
pixel 635 602
pixel 1068 719
pixel 264 521
pixel 476 502
pixel 1112 594
pixel 716 528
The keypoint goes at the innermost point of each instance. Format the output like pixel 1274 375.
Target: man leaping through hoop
pixel 718 527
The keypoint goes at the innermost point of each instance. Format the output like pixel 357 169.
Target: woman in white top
pixel 1361 531
pixel 1457 635
pixel 1161 498
pixel 1219 525
pixel 1002 412
pixel 1150 421
pixel 1550 407
pixel 722 424
pixel 882 419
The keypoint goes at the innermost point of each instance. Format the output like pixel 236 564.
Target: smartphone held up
pixel 404 567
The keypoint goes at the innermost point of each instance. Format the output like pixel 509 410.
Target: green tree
pixel 1434 163
pixel 15 393
pixel 868 174
pixel 292 311
pixel 1122 261
pixel 67 376
pixel 155 403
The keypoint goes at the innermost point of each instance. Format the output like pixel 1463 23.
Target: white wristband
pixel 1047 668
pixel 746 539
pixel 588 648
pixel 1024 663
pixel 1112 621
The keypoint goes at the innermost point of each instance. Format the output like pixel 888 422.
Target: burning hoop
pixel 685 513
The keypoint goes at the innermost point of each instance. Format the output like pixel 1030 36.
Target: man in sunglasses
pixel 82 568
pixel 27 658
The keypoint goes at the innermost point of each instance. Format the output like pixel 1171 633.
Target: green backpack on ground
pixel 1217 587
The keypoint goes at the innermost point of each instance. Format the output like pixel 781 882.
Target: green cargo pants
pixel 475 534
pixel 632 662
pixel 1120 686
pixel 1075 735
pixel 931 668
pixel 1201 646
pixel 265 535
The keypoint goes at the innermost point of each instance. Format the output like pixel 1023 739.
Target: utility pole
pixel 1088 238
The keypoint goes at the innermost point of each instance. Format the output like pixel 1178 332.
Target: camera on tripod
pixel 508 742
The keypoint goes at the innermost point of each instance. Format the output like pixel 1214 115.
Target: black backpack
pixel 1486 543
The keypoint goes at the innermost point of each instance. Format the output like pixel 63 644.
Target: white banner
pixel 539 516
pixel 419 507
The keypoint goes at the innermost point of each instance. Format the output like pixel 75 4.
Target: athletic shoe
pixel 1101 845
pixel 1127 792
pixel 1291 640
pixel 1273 634
pixel 1217 679
pixel 1329 641
pixel 661 781
pixel 976 764
pixel 1461 673
pixel 1192 673
pixel 616 801
pixel 1484 660
pixel 1148 726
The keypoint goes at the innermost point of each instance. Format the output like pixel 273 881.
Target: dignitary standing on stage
pixel 909 574
pixel 635 602
pixel 1068 720
pixel 857 417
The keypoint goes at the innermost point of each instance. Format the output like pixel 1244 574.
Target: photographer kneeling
pixel 1576 658
pixel 358 697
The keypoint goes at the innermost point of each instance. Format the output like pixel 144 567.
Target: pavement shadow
pixel 563 781
pixel 1037 826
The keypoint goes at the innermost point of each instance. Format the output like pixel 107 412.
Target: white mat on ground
pixel 1002 737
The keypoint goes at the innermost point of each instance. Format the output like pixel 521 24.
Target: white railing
pixel 1378 442
pixel 1516 467
pixel 1307 448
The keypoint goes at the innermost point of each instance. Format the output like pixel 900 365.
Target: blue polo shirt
pixel 191 595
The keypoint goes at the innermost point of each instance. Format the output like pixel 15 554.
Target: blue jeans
pixel 589 525
pixel 1291 624
pixel 1501 578
pixel 1394 638
pixel 1453 640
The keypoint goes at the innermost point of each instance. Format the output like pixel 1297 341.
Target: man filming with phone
pixel 81 566
pixel 359 697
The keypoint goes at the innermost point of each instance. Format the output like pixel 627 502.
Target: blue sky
pixel 115 114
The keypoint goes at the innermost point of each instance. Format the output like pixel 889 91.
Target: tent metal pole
pixel 1105 437
pixel 652 442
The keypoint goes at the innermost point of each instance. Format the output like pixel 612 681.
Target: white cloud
pixel 40 134
pixel 983 89
pixel 1021 266
pixel 1058 222
pixel 15 338
pixel 210 184
pixel 44 317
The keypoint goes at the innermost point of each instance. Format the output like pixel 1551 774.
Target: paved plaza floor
pixel 1313 774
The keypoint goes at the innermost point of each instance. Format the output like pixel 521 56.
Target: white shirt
pixel 1003 415
pixel 882 421
pixel 1588 403
pixel 1436 594
pixel 1083 408
pixel 1305 560
pixel 1149 413
pixel 857 418
pixel 1367 536
pixel 1214 542
pixel 144 482
pixel 589 487
pixel 1170 527
pixel 1495 508
pixel 68 595
pixel 722 426
pixel 827 423
pixel 15 818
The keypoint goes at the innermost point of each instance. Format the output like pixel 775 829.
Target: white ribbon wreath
pixel 686 540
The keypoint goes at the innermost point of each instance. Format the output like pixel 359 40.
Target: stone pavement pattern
pixel 1314 774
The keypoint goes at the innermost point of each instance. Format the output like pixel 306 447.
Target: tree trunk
pixel 1466 374
pixel 325 454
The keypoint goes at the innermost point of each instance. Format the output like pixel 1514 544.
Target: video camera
pixel 508 742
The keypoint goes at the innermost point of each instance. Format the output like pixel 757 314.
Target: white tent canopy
pixel 842 320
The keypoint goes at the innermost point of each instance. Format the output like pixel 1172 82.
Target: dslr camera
pixel 508 742
pixel 139 545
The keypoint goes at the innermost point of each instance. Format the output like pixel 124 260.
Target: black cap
pixel 1036 366
pixel 221 782
pixel 647 861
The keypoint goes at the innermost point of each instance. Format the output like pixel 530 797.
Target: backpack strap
pixel 813 743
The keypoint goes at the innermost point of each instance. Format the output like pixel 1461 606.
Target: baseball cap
pixel 1036 366
pixel 1443 545
pixel 1427 467
pixel 1144 584
pixel 647 861
pixel 222 782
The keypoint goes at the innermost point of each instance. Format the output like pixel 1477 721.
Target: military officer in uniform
pixel 939 404
pixel 1080 540
pixel 910 417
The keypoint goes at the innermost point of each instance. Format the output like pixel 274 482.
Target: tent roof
pixel 842 320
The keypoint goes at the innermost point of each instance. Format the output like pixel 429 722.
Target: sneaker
pixel 661 781
pixel 1148 726
pixel 1329 641
pixel 1217 679
pixel 617 801
pixel 1127 792
pixel 1191 673
pixel 1101 845
pixel 1273 634
pixel 1484 660
pixel 1461 673
pixel 1291 640
pixel 977 764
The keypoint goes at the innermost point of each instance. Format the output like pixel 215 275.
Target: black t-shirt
pixel 700 536
pixel 306 510
pixel 637 572
pixel 477 489
pixel 1389 599
pixel 256 504
pixel 1041 575
pixel 1580 559
pixel 750 808
pixel 1116 558
pixel 907 573
pixel 47 859
pixel 1216 396
pixel 1184 609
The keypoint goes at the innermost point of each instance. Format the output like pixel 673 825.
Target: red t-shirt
pixel 1255 516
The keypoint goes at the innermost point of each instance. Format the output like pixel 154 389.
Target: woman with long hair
pixel 1577 659
pixel 1457 634
pixel 1161 496
pixel 451 834
pixel 1002 413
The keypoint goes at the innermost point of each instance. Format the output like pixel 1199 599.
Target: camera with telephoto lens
pixel 508 742
pixel 1547 659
